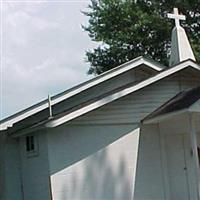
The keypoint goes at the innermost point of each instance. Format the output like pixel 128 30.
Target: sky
pixel 42 50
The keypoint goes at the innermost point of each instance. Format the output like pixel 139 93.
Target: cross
pixel 176 16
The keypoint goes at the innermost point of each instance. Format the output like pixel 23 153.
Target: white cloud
pixel 43 51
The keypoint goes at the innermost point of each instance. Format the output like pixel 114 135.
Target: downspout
pixel 193 139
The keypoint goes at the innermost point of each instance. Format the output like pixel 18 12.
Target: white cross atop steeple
pixel 176 16
pixel 180 45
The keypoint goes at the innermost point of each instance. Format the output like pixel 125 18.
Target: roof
pixel 181 101
pixel 107 98
pixel 116 95
pixel 8 122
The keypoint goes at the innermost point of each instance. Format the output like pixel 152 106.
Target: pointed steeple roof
pixel 180 46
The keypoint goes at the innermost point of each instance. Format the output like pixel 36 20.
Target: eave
pixel 8 122
pixel 103 101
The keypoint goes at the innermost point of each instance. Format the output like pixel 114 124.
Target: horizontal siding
pixel 12 170
pixel 136 106
pixel 35 170
pixel 130 77
pixel 189 79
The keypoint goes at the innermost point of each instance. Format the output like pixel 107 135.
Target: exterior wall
pixel 149 183
pixel 93 162
pixel 173 127
pixel 94 156
pixel 35 170
pixel 2 168
pixel 135 107
pixel 189 78
pixel 11 169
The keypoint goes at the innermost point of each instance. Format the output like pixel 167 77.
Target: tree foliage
pixel 126 29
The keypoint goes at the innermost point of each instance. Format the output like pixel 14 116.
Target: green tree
pixel 127 29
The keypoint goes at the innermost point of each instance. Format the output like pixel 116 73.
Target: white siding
pixel 2 167
pixel 35 170
pixel 134 107
pixel 171 128
pixel 149 175
pixel 93 162
pixel 189 78
pixel 131 76
pixel 12 170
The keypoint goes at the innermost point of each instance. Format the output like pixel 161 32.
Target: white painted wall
pixel 176 139
pixel 93 162
pixel 2 168
pixel 12 184
pixel 93 159
pixel 149 183
pixel 134 107
pixel 77 175
pixel 35 170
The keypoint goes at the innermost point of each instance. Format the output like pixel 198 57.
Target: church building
pixel 131 133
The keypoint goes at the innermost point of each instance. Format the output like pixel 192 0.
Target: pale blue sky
pixel 43 50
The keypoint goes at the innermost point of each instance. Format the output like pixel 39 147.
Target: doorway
pixel 176 148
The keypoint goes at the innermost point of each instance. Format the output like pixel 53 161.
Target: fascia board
pixel 8 122
pixel 115 96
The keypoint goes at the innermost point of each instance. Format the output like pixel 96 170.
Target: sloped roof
pixel 107 98
pixel 8 122
pixel 181 101
pixel 118 94
pixel 95 103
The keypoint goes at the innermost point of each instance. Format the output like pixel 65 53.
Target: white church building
pixel 132 133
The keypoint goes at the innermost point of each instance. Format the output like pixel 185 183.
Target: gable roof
pixel 86 107
pixel 116 95
pixel 182 101
pixel 8 122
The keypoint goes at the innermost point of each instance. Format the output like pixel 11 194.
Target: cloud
pixel 43 51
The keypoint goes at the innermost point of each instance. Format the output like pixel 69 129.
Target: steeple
pixel 180 46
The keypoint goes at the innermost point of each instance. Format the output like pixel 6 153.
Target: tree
pixel 127 29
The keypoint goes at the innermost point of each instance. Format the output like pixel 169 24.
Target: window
pixel 31 145
pixel 198 150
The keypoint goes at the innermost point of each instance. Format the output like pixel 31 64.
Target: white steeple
pixel 180 46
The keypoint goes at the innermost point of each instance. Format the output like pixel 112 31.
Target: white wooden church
pixel 132 133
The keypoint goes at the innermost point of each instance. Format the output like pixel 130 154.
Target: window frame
pixel 31 145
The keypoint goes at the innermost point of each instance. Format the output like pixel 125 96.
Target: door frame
pixel 165 164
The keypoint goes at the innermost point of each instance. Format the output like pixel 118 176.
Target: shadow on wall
pixel 75 143
pixel 100 181
pixel 99 166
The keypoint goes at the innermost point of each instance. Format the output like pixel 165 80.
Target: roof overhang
pixel 103 101
pixel 59 120
pixel 8 122
pixel 195 109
